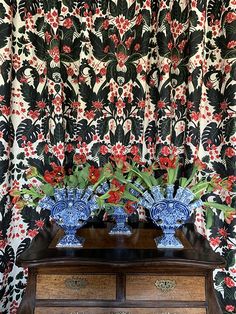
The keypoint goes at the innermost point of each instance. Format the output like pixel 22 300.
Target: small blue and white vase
pixel 169 212
pixel 71 209
pixel 120 217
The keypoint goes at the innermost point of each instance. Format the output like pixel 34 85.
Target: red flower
pixel 168 162
pixel 229 282
pixel 79 159
pixel 230 17
pixel 215 241
pixel 105 24
pixel 230 152
pixel 165 151
pixel 39 223
pixel 68 23
pixel 114 197
pixel 116 185
pixel 103 150
pixel 230 308
pixel 223 232
pixel 200 165
pixel 129 207
pixel 32 233
pixel 94 174
pixel 56 176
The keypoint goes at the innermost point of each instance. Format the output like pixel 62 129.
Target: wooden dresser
pixel 120 275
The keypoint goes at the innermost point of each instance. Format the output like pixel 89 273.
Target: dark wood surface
pixel 100 247
pixel 122 256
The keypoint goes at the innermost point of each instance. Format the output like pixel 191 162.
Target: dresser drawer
pixel 178 288
pixel 73 310
pixel 102 287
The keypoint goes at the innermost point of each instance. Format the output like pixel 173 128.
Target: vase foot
pixel 168 241
pixel 71 241
pixel 125 230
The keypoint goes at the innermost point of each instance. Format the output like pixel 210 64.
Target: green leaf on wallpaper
pixel 146 16
pixel 229 128
pixel 219 278
pixel 164 128
pixel 137 126
pixel 3 169
pixel 211 135
pixel 103 127
pixel 113 8
pixel 5 32
pixel 85 130
pixel 2 11
pixel 119 133
pixel 162 43
pixel 194 41
pixel 40 148
pixel 131 11
pixel 151 132
pixel 95 148
pixel 122 7
pixel 27 130
pixel 126 140
pixel 58 133
pixel 40 46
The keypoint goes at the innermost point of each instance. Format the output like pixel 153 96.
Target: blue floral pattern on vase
pixel 70 208
pixel 121 226
pixel 169 212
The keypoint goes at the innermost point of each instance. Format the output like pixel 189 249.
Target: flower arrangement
pixel 167 171
pixel 122 188
pixel 82 175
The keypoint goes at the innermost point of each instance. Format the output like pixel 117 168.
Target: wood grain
pixel 142 287
pixel 90 287
pixel 73 310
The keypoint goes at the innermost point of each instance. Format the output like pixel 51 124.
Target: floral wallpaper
pixel 103 77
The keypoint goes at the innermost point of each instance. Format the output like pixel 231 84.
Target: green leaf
pixel 122 7
pixel 131 11
pixel 229 128
pixel 103 127
pixel 224 208
pixel 2 11
pixel 129 196
pixel 40 46
pixel 213 134
pixel 209 218
pixel 48 189
pixel 113 8
pixel 85 130
pixel 28 130
pixel 194 41
pixel 5 32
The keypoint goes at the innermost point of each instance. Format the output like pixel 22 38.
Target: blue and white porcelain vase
pixel 120 217
pixel 169 212
pixel 70 208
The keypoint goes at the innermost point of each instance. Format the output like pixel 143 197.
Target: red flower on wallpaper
pixel 229 282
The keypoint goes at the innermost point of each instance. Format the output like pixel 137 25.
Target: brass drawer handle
pixel 75 283
pixel 165 285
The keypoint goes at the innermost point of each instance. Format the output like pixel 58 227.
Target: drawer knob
pixel 75 283
pixel 165 285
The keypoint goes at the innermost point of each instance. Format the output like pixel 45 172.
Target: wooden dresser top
pixel 138 249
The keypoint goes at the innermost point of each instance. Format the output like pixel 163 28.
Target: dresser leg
pixel 213 304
